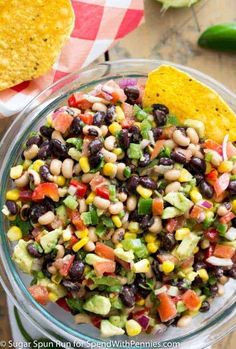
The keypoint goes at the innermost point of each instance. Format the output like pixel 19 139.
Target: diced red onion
pixel 201 217
pixel 72 190
pixel 159 329
pixel 205 204
pixel 173 291
pixel 144 321
pixel 220 262
pixel 107 93
pixel 160 290
pixel 231 234
pixel 224 147
pixel 123 83
pixel 150 135
pixel 144 143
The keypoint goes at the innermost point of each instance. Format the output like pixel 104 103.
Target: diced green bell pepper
pixel 144 206
pixel 86 218
pixel 71 202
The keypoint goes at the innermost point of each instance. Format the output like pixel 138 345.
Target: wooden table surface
pixel 171 36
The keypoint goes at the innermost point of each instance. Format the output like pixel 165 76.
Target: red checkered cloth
pixel 98 25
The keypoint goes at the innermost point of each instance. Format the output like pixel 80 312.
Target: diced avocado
pixel 180 307
pixel 108 329
pixel 92 258
pixel 22 258
pixel 61 213
pixel 71 202
pixel 98 304
pixel 187 246
pixel 58 290
pixel 126 256
pixel 171 212
pixel 134 151
pixel 179 201
pixel 49 240
pixel 137 246
pixel 117 320
pixel 86 218
pixel 197 125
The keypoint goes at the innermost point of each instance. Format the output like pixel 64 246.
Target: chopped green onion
pixel 112 192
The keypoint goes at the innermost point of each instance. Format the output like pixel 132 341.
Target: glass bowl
pixel 52 321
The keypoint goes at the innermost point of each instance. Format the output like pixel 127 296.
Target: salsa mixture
pixel 123 215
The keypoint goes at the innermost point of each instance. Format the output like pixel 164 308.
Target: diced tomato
pixel 81 187
pixel 166 309
pixel 103 192
pixel 61 121
pixel 40 293
pixel 66 265
pixel 187 263
pixel 87 118
pixel 78 100
pixel 220 197
pixel 157 149
pixel 196 212
pixel 227 218
pixel 211 234
pixel 191 300
pixel 105 251
pixel 157 207
pixel 26 195
pixel 77 221
pixel 63 304
pixel 167 132
pixel 97 181
pixel 209 251
pixel 167 257
pixel 171 225
pixel 230 150
pixel 46 189
pixel 210 144
pixel 212 175
pixel 223 251
pixel 72 241
pixel 104 267
pixel 126 123
pixel 221 183
pixel 96 321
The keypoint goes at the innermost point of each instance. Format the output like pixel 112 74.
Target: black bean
pixel 12 207
pixel 134 288
pixel 199 265
pixel 92 132
pixel 141 283
pixel 197 165
pixel 178 157
pixel 127 296
pixel 95 146
pixel 206 189
pixel 135 134
pixel 232 187
pixel 34 140
pixel 168 241
pixel 124 139
pixel 181 285
pixel 145 160
pixel 231 273
pixel 44 152
pixel 166 161
pixel 33 251
pixel 58 149
pixel 155 268
pixel 132 93
pixel 218 272
pixel 70 111
pixel 132 183
pixel 146 222
pixel 213 290
pixel 181 129
pixel 197 282
pixel 36 211
pixel 198 178
pixel 77 270
pixel 159 117
pixel 204 307
pixel 134 216
pixel 99 118
pixel 49 204
pixel 161 107
pixel 110 114
pixel 157 132
pixel 233 222
pixel 44 172
pixel 148 182
pixel 71 286
pixel 95 160
pixel 76 127
pixel 46 131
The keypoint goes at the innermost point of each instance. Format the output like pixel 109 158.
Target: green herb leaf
pixel 172 120
pixel 75 304
pixel 25 226
pixel 77 142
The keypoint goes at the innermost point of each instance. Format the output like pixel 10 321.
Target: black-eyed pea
pixel 89 247
pixel 172 175
pixel 34 176
pixel 180 139
pixel 82 206
pixel 169 143
pixel 116 208
pixel 122 196
pixel 109 143
pixel 57 135
pixel 156 227
pixel 184 321
pixel 77 169
pixel 222 210
pixel 67 168
pixel 172 187
pixel 60 251
pixel 55 167
pixel 100 203
pixel 92 235
pixel 22 181
pixel 108 155
pixel 47 218
pixel 192 147
pixel 104 130
pixel 120 171
pixel 98 106
pixel 131 203
pixel 62 192
pixel 192 135
pixel 92 131
pixel 31 152
pixel 118 235
pixel 87 177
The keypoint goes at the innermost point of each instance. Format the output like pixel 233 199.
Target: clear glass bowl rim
pixel 226 316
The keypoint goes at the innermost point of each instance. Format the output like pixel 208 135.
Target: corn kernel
pixel 185 176
pixel 150 238
pixel 13 195
pixel 203 274
pixel 153 247
pixel 26 164
pixel 142 266
pixel 16 171
pixel 191 275
pixel 140 302
pixel 116 220
pixel 225 166
pixel 167 267
pixel 133 227
pixel 130 236
pixel 90 198
pixel 117 151
pixel 78 245
pixel 14 233
pixel 114 128
pixel 144 192
pixel 84 164
pixel 133 328
pixel 60 180
pixel 82 233
pixel 195 196
pixel 120 116
pixel 37 164
pixel 180 234
pixel 196 250
pixel 234 206
pixel 53 297
pixel 109 169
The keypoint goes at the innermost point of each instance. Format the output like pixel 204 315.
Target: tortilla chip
pixel 32 33
pixel 188 98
